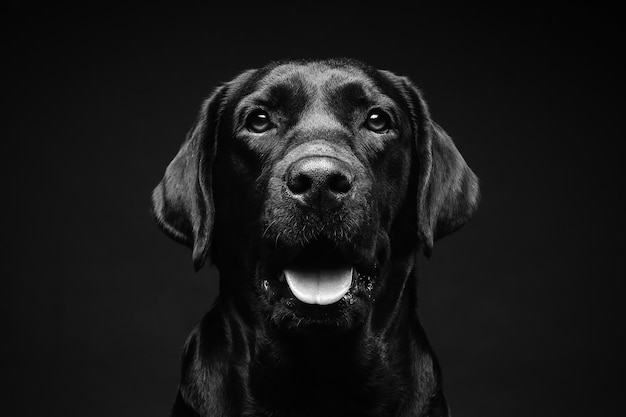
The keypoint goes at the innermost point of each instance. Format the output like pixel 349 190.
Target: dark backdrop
pixel 522 305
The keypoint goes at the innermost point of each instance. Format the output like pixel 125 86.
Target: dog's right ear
pixel 183 200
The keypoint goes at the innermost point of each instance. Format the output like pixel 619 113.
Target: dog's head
pixel 304 181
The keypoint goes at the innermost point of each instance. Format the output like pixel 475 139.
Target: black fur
pixel 259 351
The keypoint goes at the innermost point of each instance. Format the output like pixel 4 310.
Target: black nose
pixel 319 181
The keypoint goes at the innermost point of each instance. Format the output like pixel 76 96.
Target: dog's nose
pixel 319 181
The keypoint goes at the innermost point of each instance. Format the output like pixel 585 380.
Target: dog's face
pixel 308 179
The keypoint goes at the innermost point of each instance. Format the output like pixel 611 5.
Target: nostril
pixel 299 183
pixel 319 182
pixel 339 183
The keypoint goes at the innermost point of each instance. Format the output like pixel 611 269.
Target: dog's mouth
pixel 319 278
pixel 319 274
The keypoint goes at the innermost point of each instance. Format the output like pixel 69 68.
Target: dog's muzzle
pixel 321 184
pixel 318 226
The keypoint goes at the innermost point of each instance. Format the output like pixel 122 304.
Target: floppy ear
pixel 183 200
pixel 448 190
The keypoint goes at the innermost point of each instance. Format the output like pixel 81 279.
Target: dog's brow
pixel 290 92
pixel 352 92
pixel 285 95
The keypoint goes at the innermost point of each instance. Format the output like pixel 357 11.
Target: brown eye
pixel 378 121
pixel 259 121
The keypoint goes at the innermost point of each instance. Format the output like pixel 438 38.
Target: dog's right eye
pixel 259 121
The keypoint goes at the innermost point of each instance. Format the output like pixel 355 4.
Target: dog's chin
pixel 318 289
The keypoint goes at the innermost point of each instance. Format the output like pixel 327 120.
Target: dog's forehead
pixel 308 81
pixel 318 74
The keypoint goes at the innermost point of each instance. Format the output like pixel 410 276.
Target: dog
pixel 312 185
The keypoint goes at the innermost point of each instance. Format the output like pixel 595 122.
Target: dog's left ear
pixel 183 200
pixel 448 190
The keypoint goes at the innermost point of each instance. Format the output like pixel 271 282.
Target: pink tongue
pixel 319 286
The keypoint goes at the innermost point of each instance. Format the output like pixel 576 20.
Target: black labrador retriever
pixel 311 186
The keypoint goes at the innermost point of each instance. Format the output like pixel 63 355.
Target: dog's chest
pixel 323 385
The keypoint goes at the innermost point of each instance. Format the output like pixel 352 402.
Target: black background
pixel 522 306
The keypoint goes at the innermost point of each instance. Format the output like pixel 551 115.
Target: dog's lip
pixel 318 254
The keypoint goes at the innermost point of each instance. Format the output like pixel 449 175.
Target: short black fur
pixel 260 351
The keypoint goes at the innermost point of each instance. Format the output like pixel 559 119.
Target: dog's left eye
pixel 378 121
pixel 259 121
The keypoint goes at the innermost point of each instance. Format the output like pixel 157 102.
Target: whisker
pixel 268 228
